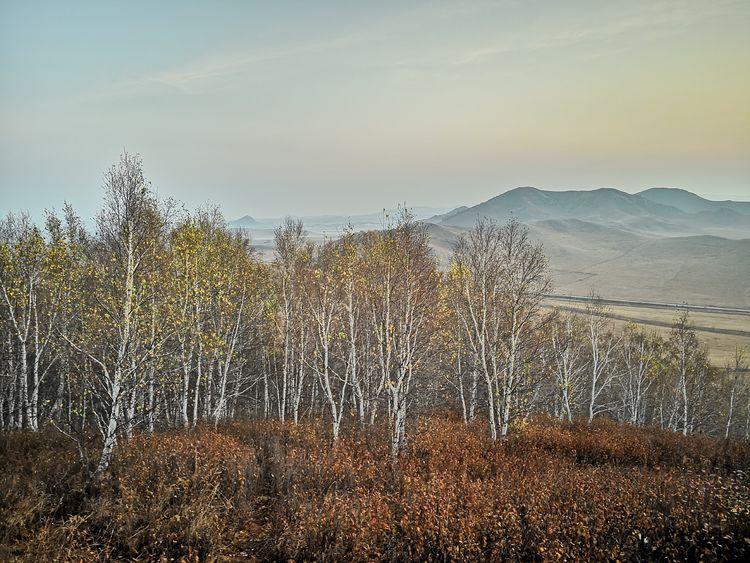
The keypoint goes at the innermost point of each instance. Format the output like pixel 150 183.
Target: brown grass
pixel 721 347
pixel 270 491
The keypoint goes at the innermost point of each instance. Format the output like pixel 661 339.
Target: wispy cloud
pixel 213 70
pixel 206 73
pixel 216 71
pixel 665 16
pixel 199 71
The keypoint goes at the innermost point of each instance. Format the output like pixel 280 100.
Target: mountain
pixel 660 245
pixel 689 202
pixel 605 205
pixel 444 216
pixel 679 248
pixel 321 227
pixel 617 262
pixel 639 213
pixel 245 222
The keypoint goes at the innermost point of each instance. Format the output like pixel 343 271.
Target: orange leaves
pixel 541 494
pixel 277 491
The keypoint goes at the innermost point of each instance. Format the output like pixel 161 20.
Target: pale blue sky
pixel 270 108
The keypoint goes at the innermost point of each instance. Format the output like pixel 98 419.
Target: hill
pixel 662 244
pixel 701 270
pixel 692 203
pixel 618 244
pixel 245 222
pixel 604 205
pixel 650 212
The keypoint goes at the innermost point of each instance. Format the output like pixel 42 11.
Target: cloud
pixel 662 16
pixel 216 71
pixel 211 72
pixel 207 73
pixel 199 71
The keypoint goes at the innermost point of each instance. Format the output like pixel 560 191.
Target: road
pixel 651 304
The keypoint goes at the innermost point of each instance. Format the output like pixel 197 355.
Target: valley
pixel 721 331
pixel 662 245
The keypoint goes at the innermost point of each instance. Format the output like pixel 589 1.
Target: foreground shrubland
pixel 271 491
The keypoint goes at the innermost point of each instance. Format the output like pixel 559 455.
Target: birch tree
pixel 403 286
pixel 689 368
pixel 474 280
pixel 602 347
pixel 324 295
pixel 639 353
pixel 32 286
pixel 524 281
pixel 127 228
pixel 736 376
pixel 293 253
pixel 567 341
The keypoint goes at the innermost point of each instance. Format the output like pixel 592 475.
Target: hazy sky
pixel 271 108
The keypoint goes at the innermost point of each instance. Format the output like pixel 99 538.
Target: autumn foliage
pixel 273 491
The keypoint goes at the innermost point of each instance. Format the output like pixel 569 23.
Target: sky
pixel 303 108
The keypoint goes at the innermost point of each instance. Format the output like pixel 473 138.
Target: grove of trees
pixel 167 318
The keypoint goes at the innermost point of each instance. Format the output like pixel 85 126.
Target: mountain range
pixel 332 224
pixel 661 244
pixel 657 211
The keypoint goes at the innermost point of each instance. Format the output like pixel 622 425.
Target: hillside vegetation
pixel 276 491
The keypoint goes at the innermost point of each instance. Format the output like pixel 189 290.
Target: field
pixel 721 332
pixel 268 491
pixel 586 256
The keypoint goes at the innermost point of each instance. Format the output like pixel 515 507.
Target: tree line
pixel 168 318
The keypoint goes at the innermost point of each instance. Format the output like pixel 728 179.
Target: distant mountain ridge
pixel 533 204
pixel 659 244
pixel 662 244
pixel 689 202
pixel 662 211
pixel 448 215
pixel 245 222
pixel 335 223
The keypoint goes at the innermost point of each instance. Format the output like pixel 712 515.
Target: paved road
pixel 651 304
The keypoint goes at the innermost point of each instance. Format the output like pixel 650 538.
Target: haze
pixel 278 108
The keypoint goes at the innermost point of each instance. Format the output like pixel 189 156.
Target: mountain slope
pixel 617 262
pixel 448 215
pixel 245 222
pixel 689 202
pixel 605 205
pixel 702 270
pixel 639 213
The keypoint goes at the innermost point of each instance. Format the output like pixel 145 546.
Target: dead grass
pixel 720 347
pixel 270 491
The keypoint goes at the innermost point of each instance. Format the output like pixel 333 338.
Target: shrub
pixel 276 491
